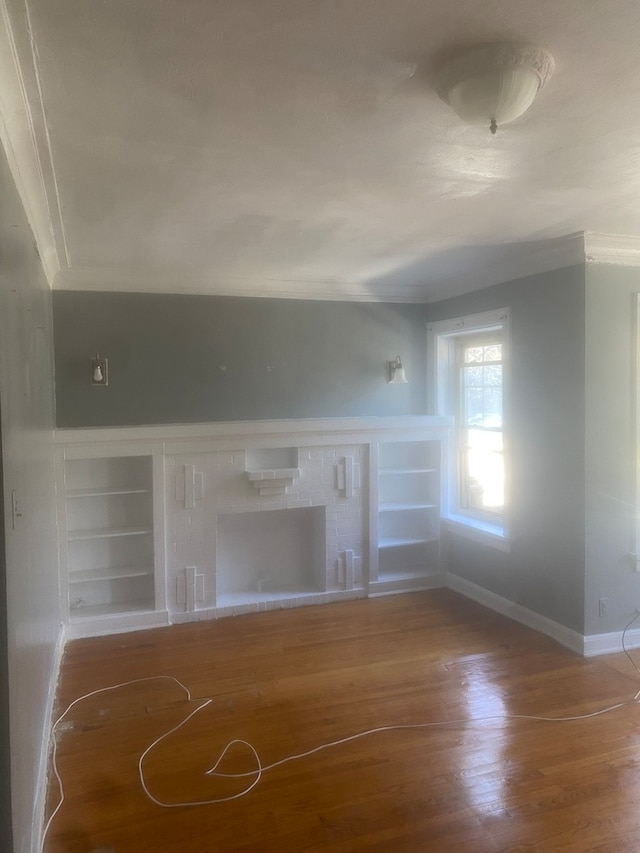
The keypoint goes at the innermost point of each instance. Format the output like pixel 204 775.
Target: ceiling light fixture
pixel 494 84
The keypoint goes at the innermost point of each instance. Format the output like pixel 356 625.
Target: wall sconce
pixel 99 371
pixel 395 371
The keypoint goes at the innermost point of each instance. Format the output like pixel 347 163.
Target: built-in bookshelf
pixel 408 534
pixel 173 524
pixel 107 512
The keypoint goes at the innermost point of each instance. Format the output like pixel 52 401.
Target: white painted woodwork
pixel 409 490
pixel 162 524
pixel 111 537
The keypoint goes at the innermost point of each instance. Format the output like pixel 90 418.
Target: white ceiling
pixel 297 147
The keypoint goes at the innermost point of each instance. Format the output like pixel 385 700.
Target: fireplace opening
pixel 271 554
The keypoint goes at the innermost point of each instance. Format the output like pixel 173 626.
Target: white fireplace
pixel 174 524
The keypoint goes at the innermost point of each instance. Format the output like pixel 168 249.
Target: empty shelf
pixel 402 542
pixel 100 492
pixel 108 574
pixel 103 532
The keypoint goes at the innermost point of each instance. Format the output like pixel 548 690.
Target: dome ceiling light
pixel 494 84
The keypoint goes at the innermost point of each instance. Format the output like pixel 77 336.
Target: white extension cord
pixel 254 776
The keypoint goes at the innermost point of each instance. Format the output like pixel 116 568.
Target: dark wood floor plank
pixel 292 680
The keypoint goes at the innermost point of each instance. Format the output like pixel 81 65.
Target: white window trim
pixel 442 401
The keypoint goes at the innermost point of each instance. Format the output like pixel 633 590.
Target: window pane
pixel 482 396
pixel 492 375
pixel 473 406
pixel 474 375
pixel 482 474
pixel 473 354
pixel 492 408
pixel 484 464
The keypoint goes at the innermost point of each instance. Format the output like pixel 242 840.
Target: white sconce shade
pixel 494 84
pixel 99 371
pixel 396 372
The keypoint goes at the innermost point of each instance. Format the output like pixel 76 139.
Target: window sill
pixel 477 531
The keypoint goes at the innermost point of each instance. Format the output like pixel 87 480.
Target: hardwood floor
pixel 289 681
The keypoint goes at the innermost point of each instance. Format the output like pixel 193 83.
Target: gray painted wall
pixel 283 358
pixel 545 569
pixel 611 446
pixel 26 402
pixel 573 405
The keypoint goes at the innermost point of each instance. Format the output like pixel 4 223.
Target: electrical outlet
pixel 602 607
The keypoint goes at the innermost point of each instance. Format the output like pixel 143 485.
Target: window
pixel 469 357
pixel 481 464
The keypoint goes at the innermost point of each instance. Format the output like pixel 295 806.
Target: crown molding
pixel 25 137
pixel 517 262
pixel 528 259
pixel 79 279
pixel 612 249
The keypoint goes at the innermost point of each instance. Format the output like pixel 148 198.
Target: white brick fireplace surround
pixel 174 524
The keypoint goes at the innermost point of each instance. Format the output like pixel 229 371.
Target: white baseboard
pixel 399 587
pixel 46 744
pixel 607 644
pixel 116 623
pixel 565 636
pixel 588 646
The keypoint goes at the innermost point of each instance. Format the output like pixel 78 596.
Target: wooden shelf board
pixel 90 575
pixel 406 574
pixel 104 532
pixel 396 542
pixel 99 492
